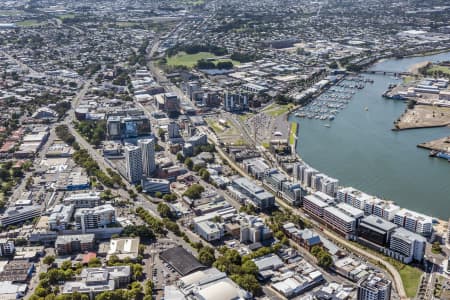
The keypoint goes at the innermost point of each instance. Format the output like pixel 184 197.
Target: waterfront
pixel 361 150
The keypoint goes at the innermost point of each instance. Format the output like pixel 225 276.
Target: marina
pixel 362 151
pixel 327 105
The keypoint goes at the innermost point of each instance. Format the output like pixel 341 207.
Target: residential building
pixel 148 155
pixel 133 163
pixel 381 208
pixel 173 130
pixel 6 247
pixel 414 222
pixel 353 197
pixel 292 193
pixel 256 167
pixel 314 204
pixel 235 102
pixel 18 214
pixel 60 216
pixel 198 139
pixel 257 195
pixel 407 246
pixel 68 244
pixel 253 229
pixel 341 220
pixel 83 200
pixel 374 287
pixel 91 218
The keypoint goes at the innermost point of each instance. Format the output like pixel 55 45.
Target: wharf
pixel 441 145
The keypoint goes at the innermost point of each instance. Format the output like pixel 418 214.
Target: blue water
pixel 362 151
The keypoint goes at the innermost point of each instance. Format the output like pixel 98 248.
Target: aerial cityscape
pixel 224 150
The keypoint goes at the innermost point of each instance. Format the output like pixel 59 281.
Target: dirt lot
pixel 422 116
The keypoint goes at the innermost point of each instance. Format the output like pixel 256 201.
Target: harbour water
pixel 359 148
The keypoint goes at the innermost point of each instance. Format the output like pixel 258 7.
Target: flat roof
pixel 181 260
pixel 340 214
pixel 379 223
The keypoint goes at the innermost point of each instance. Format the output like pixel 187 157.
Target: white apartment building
pixel 83 200
pixel 60 216
pixel 414 221
pixel 314 204
pixel 374 287
pixel 381 208
pixel 148 155
pixel 407 246
pixel 91 218
pixel 6 247
pixel 352 196
pixel 133 163
pixel 339 220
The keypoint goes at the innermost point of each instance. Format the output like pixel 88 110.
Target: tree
pixel 249 267
pixel 158 194
pixel 194 191
pixel 436 247
pixel 94 262
pixel 66 265
pixel 180 157
pixel 189 163
pixel 325 260
pixel 49 260
pixel 164 210
pixel 248 282
pixel 315 250
pixel 204 174
pixel 206 256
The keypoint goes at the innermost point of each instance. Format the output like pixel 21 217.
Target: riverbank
pixel 441 145
pixel 423 116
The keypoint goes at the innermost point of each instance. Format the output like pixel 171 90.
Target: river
pixel 361 151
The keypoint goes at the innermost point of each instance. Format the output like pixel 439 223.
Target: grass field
pixel 410 276
pixel 8 12
pixel 67 16
pixel 126 24
pixel 292 133
pixel 215 126
pixel 276 110
pixel 439 69
pixel 189 60
pixel 31 23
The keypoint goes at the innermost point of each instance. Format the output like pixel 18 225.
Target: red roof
pixel 88 256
